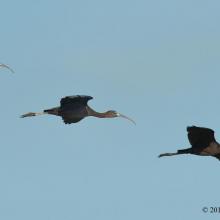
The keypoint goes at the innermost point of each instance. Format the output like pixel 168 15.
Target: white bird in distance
pixel 6 66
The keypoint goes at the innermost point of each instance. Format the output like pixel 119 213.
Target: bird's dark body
pixel 200 137
pixel 72 108
pixel 202 142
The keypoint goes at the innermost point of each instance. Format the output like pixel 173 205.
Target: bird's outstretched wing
pixel 6 66
pixel 76 99
pixel 200 137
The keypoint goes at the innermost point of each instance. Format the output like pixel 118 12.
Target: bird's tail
pixel 30 114
pixel 52 111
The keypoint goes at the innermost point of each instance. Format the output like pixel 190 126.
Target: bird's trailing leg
pixel 30 114
pixel 167 154
pixel 184 151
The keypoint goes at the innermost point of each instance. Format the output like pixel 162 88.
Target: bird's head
pixel 114 114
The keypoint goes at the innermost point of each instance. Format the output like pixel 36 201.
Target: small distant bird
pixel 72 109
pixel 202 141
pixel 6 66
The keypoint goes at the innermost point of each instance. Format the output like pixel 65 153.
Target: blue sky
pixel 155 61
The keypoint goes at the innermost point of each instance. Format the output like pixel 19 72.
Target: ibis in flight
pixel 6 66
pixel 72 109
pixel 202 142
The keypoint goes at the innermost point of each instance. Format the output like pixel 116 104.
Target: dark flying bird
pixel 202 141
pixel 72 109
pixel 6 66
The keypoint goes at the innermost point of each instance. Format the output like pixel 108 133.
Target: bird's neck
pixel 93 113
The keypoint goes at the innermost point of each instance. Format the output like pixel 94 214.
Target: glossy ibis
pixel 72 109
pixel 202 141
pixel 6 66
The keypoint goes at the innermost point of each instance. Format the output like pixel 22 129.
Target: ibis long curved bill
pixel 6 66
pixel 126 117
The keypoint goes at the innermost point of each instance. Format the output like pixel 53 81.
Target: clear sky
pixel 155 61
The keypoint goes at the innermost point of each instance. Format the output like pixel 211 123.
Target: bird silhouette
pixel 72 109
pixel 6 66
pixel 202 141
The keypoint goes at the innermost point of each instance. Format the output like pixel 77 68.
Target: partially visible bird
pixel 202 141
pixel 6 66
pixel 72 109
